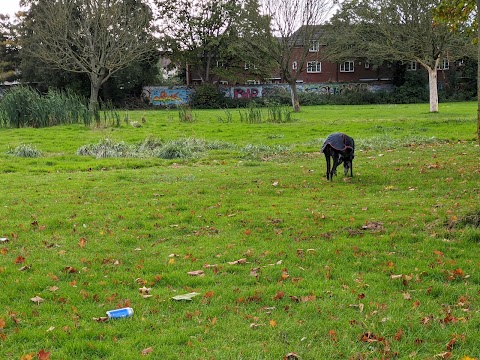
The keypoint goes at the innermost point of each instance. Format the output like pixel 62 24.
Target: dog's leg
pixel 351 168
pixel 335 164
pixel 327 159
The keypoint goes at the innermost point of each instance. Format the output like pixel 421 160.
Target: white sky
pixel 9 7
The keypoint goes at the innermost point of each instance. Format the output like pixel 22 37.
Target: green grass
pixel 384 265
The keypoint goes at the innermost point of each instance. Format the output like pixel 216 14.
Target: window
pixel 295 66
pixel 347 66
pixel 314 46
pixel 314 67
pixel 444 65
pixel 412 66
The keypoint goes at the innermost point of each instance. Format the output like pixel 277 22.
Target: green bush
pixel 208 96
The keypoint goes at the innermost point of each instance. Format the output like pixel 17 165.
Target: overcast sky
pixel 9 7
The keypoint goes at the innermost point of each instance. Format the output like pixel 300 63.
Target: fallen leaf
pixel 373 226
pixel 51 328
pixel 238 262
pixel 144 290
pixel 82 242
pixel 196 273
pixel 37 299
pixel 445 355
pixel 147 351
pixel 186 297
pixel 27 357
pixel 26 267
pixel 333 335
pixel 208 294
pixel 70 270
pixel 43 355
pixel 100 319
pixel 19 259
pixel 291 356
pixel 2 324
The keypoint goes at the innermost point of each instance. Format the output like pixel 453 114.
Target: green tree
pixel 464 16
pixel 399 30
pixel 9 51
pixel 93 37
pixel 203 36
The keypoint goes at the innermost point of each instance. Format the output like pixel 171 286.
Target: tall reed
pixel 23 106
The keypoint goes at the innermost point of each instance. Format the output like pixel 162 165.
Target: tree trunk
pixel 294 94
pixel 432 82
pixel 96 81
pixel 93 105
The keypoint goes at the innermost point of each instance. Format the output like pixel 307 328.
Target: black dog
pixel 341 148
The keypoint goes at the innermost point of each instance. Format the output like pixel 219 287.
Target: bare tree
pixel 94 37
pixel 294 28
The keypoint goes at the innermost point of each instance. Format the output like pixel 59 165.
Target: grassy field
pixel 285 264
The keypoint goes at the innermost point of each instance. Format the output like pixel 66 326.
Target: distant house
pixel 317 69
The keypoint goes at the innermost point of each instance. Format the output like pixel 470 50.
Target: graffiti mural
pixel 333 89
pixel 164 96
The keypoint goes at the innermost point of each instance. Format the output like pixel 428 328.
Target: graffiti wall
pixel 166 96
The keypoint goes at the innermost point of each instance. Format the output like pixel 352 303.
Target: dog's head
pixel 347 165
pixel 346 159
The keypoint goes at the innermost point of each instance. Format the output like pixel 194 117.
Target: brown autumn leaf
pixel 2 324
pixel 25 267
pixel 398 334
pixel 196 273
pixel 100 319
pixel 272 323
pixel 291 356
pixel 208 294
pixel 332 335
pixel 144 290
pixel 19 260
pixel 82 242
pixel 444 355
pixel 43 355
pixel 279 295
pixel 255 272
pixel 147 351
pixel 238 262
pixel 70 270
pixel 37 299
pixel 373 226
pixel 27 357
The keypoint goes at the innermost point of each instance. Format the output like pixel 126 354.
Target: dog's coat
pixel 340 148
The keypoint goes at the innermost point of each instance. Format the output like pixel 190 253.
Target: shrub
pixel 106 148
pixel 25 150
pixel 208 96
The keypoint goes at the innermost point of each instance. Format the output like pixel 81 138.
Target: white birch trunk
pixel 432 82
